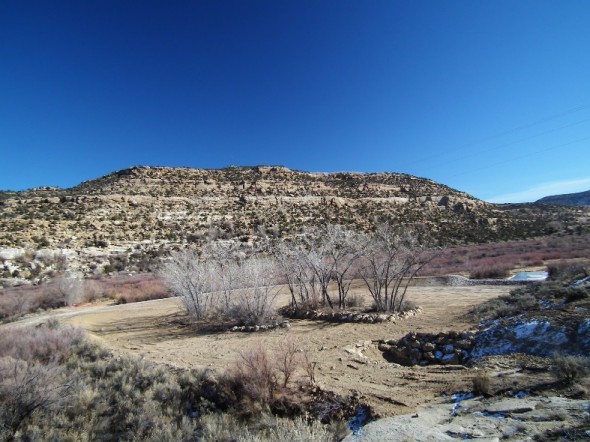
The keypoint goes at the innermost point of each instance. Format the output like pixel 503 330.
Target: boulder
pixel 450 359
pixel 428 347
pixel 464 344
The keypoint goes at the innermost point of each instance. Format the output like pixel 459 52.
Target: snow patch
pixel 535 337
pixel 530 276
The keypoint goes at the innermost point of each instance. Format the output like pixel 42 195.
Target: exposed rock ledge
pixel 489 420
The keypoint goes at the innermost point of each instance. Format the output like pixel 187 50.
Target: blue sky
pixel 488 97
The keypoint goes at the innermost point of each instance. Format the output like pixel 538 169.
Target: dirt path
pixel 154 329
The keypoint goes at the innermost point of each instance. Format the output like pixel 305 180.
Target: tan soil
pixel 346 361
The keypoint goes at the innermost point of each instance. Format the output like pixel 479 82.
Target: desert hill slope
pixel 568 199
pixel 162 204
pixel 128 219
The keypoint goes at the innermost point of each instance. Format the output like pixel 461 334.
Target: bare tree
pixel 327 255
pixel 225 273
pixel 343 248
pixel 318 260
pixel 227 278
pixel 255 303
pixel 191 280
pixel 393 259
pixel 292 264
pixel 71 288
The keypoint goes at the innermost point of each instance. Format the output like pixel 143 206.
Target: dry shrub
pixel 56 386
pixel 46 343
pixel 267 381
pixel 519 301
pixel 355 300
pixel 492 271
pixel 408 306
pixel 26 387
pixel 568 271
pixel 144 291
pixel 256 374
pixel 297 429
pixel 568 369
pixel 287 360
pixel 511 254
pixel 92 290
pixel 226 428
pixel 31 372
pixel 138 288
pixel 18 301
pixel 481 383
pixel 13 305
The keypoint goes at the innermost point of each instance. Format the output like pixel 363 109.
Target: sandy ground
pixel 347 362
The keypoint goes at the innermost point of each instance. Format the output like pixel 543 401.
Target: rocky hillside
pixel 153 208
pixel 569 199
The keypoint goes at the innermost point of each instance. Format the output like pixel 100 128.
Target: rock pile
pixel 445 348
pixel 257 328
pixel 348 316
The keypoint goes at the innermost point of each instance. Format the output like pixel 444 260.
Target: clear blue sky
pixel 489 97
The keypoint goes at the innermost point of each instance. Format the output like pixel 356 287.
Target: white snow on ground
pixel 530 276
pixel 584 328
pixel 534 337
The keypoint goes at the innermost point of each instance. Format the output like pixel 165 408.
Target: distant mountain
pixel 568 199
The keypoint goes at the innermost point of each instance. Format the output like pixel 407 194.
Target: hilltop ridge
pixel 568 199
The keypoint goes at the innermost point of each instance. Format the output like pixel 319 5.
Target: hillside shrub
pixel 567 271
pixel 517 302
pixel 568 369
pixel 56 385
pixel 528 298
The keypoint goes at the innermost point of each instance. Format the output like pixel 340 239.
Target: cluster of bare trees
pixel 324 256
pixel 223 285
pixel 317 269
pixel 385 261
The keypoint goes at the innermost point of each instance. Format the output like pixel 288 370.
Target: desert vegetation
pixel 498 258
pixel 561 291
pixel 243 291
pixel 219 283
pixel 18 301
pixel 57 385
pixel 323 259
pixel 570 368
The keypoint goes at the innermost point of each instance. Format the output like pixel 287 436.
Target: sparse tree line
pixel 317 269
